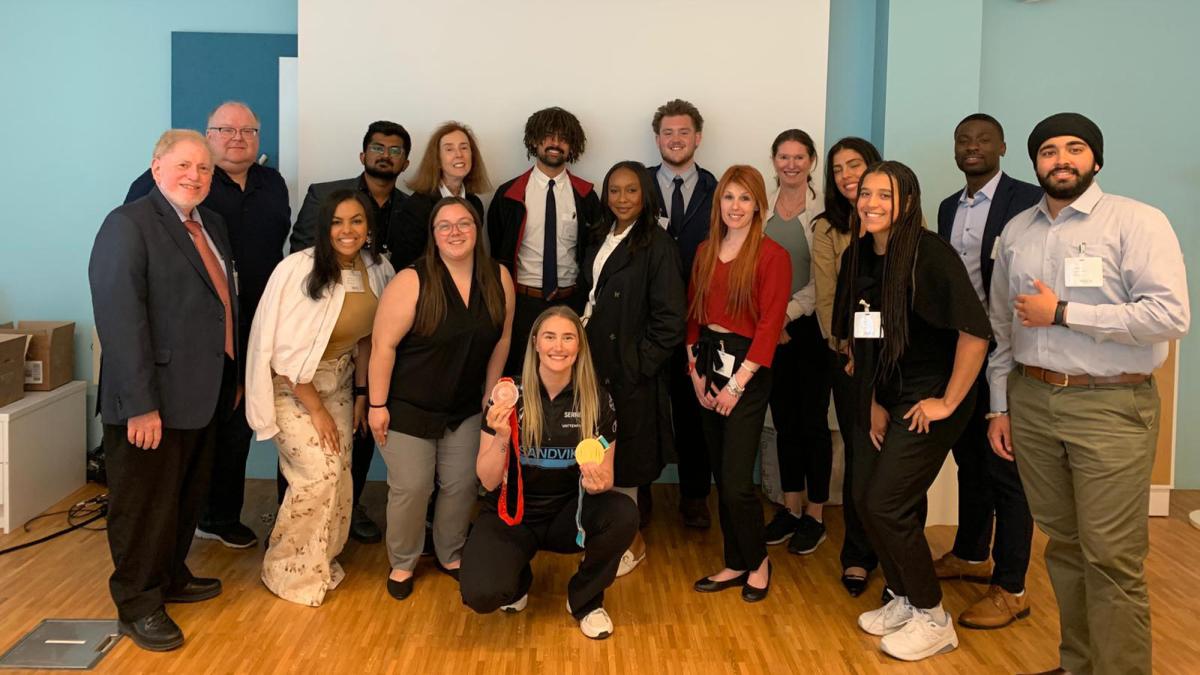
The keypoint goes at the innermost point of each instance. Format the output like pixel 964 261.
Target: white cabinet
pixel 43 451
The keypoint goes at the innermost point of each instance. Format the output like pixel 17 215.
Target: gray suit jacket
pixel 305 229
pixel 160 321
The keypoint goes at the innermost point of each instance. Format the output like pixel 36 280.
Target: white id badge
pixel 352 280
pixel 995 247
pixel 1084 272
pixel 727 361
pixel 868 325
pixel 664 222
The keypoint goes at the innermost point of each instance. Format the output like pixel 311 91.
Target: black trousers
pixel 524 315
pixel 893 505
pixel 858 460
pixel 800 409
pixel 695 474
pixel 495 561
pixel 989 486
pixel 154 499
pixel 227 488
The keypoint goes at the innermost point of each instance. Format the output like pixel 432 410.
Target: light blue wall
pixel 850 85
pixel 85 93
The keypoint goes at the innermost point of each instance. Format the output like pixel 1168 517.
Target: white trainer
pixel 887 619
pixel 920 638
pixel 628 562
pixel 597 625
pixel 516 606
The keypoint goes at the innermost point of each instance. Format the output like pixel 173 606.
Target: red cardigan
pixel 769 295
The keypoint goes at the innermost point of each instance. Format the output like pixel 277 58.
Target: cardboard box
pixel 50 359
pixel 12 368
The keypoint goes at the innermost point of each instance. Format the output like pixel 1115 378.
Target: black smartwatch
pixel 360 391
pixel 1059 312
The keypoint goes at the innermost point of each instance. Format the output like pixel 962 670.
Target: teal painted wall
pixel 850 83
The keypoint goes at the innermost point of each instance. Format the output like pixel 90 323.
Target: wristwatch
pixel 1060 313
pixel 993 415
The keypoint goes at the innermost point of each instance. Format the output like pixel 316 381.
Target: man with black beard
pixel 385 150
pixel 971 220
pixel 1088 290
pixel 535 222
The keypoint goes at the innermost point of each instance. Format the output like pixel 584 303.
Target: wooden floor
pixel 807 625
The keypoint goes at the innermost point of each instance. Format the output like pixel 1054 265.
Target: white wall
pixel 752 70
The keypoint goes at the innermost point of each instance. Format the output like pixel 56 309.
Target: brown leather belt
pixel 561 293
pixel 1064 380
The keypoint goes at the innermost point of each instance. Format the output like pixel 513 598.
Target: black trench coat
pixel 639 318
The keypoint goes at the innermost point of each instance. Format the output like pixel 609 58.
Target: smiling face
pixel 348 231
pixel 978 148
pixel 454 153
pixel 552 151
pixel 624 196
pixel 235 153
pixel 737 206
pixel 1065 167
pixel 792 164
pixel 875 203
pixel 557 345
pixel 454 231
pixel 184 174
pixel 848 168
pixel 677 140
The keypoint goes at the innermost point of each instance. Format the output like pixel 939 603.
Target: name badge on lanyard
pixel 727 361
pixel 867 324
pixel 1084 271
pixel 352 280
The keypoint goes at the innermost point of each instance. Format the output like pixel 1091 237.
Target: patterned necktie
pixel 677 208
pixel 550 245
pixel 216 275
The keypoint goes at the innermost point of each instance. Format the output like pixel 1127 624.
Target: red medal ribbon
pixel 502 507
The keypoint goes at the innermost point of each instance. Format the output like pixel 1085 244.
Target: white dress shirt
pixel 529 253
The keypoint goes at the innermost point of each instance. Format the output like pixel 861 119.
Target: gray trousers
pixel 412 464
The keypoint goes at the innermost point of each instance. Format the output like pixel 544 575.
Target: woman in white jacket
pixel 310 336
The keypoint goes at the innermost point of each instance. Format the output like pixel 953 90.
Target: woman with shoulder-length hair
pixel 737 307
pixel 544 496
pixel 846 162
pixel 441 336
pixel 918 334
pixel 309 340
pixel 636 315
pixel 451 166
pixel 800 385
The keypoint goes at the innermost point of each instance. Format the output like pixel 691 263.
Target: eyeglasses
pixel 230 132
pixel 379 149
pixel 460 226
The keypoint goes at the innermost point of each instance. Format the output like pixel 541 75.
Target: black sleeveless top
pixel 437 380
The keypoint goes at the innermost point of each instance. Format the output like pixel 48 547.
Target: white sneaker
pixel 920 638
pixel 628 562
pixel 887 619
pixel 516 606
pixel 597 625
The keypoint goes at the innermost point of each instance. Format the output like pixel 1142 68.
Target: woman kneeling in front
pixel 540 498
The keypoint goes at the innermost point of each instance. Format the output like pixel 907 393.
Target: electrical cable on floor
pixel 89 510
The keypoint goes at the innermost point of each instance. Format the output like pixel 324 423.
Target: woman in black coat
pixel 450 167
pixel 636 315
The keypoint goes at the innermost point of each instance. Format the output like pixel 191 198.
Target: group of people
pixel 657 319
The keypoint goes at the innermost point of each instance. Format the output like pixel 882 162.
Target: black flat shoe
pixel 199 588
pixel 706 585
pixel 854 583
pixel 155 632
pixel 400 589
pixel 446 570
pixel 754 594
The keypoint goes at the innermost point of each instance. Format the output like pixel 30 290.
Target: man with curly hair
pixel 535 221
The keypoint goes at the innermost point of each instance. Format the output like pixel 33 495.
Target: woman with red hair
pixel 737 303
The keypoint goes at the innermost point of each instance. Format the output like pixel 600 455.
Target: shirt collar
pixel 1084 203
pixel 668 175
pixel 543 180
pixel 183 216
pixel 988 190
pixel 445 191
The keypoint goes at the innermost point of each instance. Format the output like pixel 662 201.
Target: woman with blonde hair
pixel 541 496
pixel 737 299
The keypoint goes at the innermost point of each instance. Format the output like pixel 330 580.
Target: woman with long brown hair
pixel 441 336
pixel 738 299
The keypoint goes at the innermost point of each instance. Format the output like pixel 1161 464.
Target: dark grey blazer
pixel 160 321
pixel 305 229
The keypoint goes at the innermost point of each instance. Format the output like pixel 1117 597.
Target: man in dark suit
pixel 971 220
pixel 385 151
pixel 165 304
pixel 678 128
pixel 252 199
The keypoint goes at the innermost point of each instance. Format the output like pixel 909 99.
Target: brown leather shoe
pixel 951 566
pixel 996 609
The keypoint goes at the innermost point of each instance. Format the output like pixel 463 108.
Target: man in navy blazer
pixel 684 192
pixel 971 220
pixel 165 305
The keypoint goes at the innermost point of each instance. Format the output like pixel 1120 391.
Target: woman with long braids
pixel 845 164
pixel 737 305
pixel 918 335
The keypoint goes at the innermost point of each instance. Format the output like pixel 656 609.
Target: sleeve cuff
pixel 1081 317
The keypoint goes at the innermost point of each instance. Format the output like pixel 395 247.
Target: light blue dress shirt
pixel 970 220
